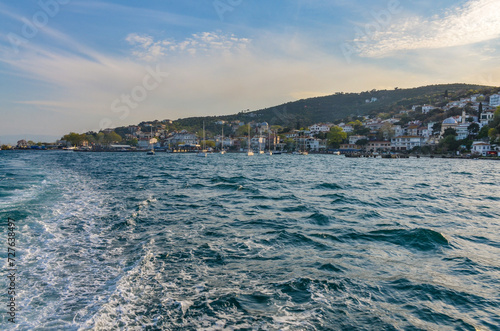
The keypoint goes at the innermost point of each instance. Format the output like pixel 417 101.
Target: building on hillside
pixel 450 122
pixel 317 128
pixel 495 100
pixel 354 139
pixel 346 128
pixel 314 144
pixel 399 131
pixel 462 130
pixel 424 131
pixel 427 108
pixel 413 130
pixel 480 147
pixel 486 117
pixel 182 138
pixel 379 146
pixel 349 147
pixel 406 143
pixel 374 125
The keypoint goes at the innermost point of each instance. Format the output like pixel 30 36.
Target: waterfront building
pixel 405 143
pixel 480 147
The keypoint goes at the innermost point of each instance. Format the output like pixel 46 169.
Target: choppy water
pixel 176 242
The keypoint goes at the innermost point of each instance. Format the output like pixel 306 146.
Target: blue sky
pixel 92 64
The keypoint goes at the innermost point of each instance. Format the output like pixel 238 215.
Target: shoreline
pixel 367 155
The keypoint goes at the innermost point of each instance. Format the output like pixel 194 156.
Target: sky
pixel 76 66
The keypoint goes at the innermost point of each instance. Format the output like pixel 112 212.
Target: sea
pixel 128 241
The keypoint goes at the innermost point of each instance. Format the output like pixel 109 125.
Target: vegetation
pixel 335 137
pixel 349 108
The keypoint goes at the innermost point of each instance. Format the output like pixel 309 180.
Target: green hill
pixel 342 105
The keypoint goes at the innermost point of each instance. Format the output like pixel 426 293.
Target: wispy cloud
pixel 476 21
pixel 149 49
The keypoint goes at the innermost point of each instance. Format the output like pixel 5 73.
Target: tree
pixel 362 142
pixel 387 131
pixel 321 135
pixel 436 128
pixel 449 143
pixel 112 137
pixel 289 142
pixel 208 143
pixel 132 142
pixel 74 139
pixel 336 136
pixel 483 133
pixel 450 132
pixel 473 129
pixel 242 131
pixel 493 133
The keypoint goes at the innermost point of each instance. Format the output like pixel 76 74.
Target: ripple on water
pixel 230 242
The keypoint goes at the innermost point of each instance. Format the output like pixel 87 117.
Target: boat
pixel 260 144
pixel 269 152
pixel 222 151
pixel 203 152
pixel 152 141
pixel 302 152
pixel 249 152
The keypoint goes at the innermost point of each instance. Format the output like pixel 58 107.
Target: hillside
pixel 342 105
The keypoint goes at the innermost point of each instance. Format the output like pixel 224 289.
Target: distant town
pixel 466 124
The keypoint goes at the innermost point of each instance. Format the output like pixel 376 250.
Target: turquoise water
pixel 284 242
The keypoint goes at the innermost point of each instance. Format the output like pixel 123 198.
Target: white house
pixel 403 143
pixel 486 117
pixel 314 144
pixel 427 108
pixel 399 131
pixel 317 128
pixel 379 146
pixel 495 100
pixel 462 130
pixel 184 138
pixel 354 139
pixel 480 147
pixel 346 128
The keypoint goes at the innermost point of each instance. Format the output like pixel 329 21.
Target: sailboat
pixel 249 152
pixel 269 140
pixel 304 151
pixel 152 141
pixel 222 151
pixel 203 153
pixel 260 143
pixel 301 152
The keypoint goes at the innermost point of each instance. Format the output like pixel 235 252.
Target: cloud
pixel 476 21
pixel 148 49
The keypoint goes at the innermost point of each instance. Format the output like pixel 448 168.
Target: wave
pixel 418 239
